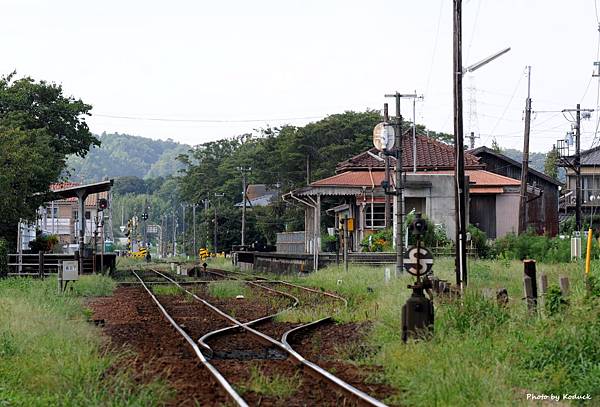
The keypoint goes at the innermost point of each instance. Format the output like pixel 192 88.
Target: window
pixel 52 212
pixel 375 215
pixel 591 187
pixel 415 204
pixel 88 215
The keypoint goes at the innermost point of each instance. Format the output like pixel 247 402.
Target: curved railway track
pixel 260 340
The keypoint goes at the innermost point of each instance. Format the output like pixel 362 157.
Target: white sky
pixel 269 60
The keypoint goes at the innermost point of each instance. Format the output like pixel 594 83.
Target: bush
pixel 43 243
pixel 3 258
pixel 435 236
pixel 540 248
pixel 479 241
pixel 554 301
pixel 328 243
pixel 381 241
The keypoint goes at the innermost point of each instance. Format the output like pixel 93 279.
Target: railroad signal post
pixel 418 312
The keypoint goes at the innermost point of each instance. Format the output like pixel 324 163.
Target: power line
pixel 507 105
pixel 164 119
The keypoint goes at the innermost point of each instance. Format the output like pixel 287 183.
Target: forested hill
pixel 536 160
pixel 125 155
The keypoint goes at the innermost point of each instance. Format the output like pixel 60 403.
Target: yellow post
pixel 588 253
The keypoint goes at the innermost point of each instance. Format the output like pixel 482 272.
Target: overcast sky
pixel 271 62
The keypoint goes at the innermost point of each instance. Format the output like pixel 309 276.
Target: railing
pixel 589 198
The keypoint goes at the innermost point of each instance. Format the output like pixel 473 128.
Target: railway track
pixel 226 346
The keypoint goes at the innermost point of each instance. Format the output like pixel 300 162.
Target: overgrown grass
pixel 271 385
pixel 227 289
pixel 482 354
pixel 50 355
pixel 166 289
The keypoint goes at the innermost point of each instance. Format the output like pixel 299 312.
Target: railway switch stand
pixel 418 312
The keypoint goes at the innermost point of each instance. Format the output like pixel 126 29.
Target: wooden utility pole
pixel 577 163
pixel 459 168
pixel 525 165
pixel 217 222
pixel 399 182
pixel 399 191
pixel 386 176
pixel 243 171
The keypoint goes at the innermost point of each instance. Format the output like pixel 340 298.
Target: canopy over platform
pixel 83 190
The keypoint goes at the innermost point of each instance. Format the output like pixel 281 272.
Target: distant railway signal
pixel 102 204
pixel 383 136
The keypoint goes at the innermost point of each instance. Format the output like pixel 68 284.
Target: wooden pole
pixel 577 164
pixel 530 282
pixel 525 165
pixel 459 167
pixel 386 176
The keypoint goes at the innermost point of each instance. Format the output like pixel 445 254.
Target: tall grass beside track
pixel 481 354
pixel 50 355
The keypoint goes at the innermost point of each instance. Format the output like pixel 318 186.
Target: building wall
pixel 507 214
pixel 439 198
pixel 542 212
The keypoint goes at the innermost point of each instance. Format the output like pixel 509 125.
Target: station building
pixel 493 199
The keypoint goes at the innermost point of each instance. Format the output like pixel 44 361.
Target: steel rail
pixel 316 369
pixel 216 374
pixel 257 321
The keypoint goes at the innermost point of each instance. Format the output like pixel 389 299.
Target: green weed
pixel 481 354
pixel 52 356
pixel 272 385
pixel 227 289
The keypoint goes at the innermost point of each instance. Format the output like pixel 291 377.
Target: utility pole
pixel 399 184
pixel 472 138
pixel 161 248
pixel 307 169
pixel 525 165
pixel 459 167
pixel 216 221
pixel 399 191
pixel 174 233
pixel 243 171
pixel 578 167
pixel 184 240
pixel 386 176
pixel 414 133
pixel 194 228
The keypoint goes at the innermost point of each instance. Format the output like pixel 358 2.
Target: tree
pixel 30 105
pixel 495 146
pixel 551 163
pixel 39 127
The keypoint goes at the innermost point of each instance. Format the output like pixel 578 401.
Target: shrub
pixel 381 241
pixel 479 241
pixel 435 236
pixel 328 243
pixel 553 300
pixel 540 248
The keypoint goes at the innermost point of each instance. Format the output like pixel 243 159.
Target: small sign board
pixel 423 266
pixel 70 270
pixel 152 229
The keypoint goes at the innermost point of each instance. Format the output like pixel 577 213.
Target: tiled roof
pixel 477 179
pixel 90 201
pixel 591 157
pixel 486 150
pixel 431 154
